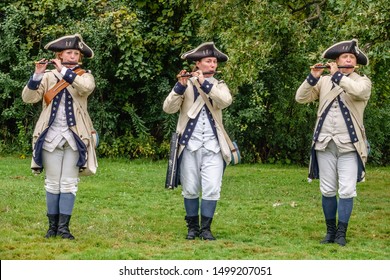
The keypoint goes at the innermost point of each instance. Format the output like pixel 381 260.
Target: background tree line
pixel 137 45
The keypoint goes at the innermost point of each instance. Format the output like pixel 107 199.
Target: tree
pixel 271 44
pixel 137 44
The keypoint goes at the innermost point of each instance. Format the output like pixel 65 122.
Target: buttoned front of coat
pixel 79 122
pixel 354 91
pixel 334 128
pixel 189 108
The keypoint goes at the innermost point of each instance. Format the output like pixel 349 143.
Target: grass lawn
pixel 266 212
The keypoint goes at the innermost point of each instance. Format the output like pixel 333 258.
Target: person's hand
pixel 183 80
pixel 40 67
pixel 316 72
pixel 57 64
pixel 199 75
pixel 333 67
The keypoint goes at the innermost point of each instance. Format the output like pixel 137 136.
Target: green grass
pixel 125 213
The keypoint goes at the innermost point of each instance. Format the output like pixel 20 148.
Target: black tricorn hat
pixel 205 50
pixel 74 42
pixel 351 46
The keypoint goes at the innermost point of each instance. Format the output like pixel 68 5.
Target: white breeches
pixel 62 173
pixel 338 172
pixel 201 171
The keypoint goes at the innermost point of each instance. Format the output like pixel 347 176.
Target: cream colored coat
pixel 80 89
pixel 354 90
pixel 189 108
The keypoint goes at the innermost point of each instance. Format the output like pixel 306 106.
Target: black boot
pixel 53 225
pixel 330 231
pixel 205 231
pixel 63 227
pixel 341 234
pixel 193 227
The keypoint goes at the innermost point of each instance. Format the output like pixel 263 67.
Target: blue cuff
pixel 337 77
pixel 206 86
pixel 69 76
pixel 33 85
pixel 312 80
pixel 179 88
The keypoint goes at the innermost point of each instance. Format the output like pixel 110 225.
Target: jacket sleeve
pixel 84 84
pixel 358 89
pixel 174 100
pixel 220 94
pixel 308 91
pixel 34 90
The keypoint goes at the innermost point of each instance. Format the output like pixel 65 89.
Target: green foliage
pixel 271 44
pixel 131 147
pixel 131 40
pixel 23 140
pixel 137 45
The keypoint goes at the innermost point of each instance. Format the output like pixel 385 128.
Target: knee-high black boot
pixel 63 227
pixel 330 231
pixel 193 227
pixel 53 225
pixel 205 230
pixel 341 234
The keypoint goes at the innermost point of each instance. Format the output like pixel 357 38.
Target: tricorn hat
pixel 351 46
pixel 205 50
pixel 74 42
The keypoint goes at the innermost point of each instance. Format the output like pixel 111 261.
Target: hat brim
pixel 351 46
pixel 207 49
pixel 70 42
